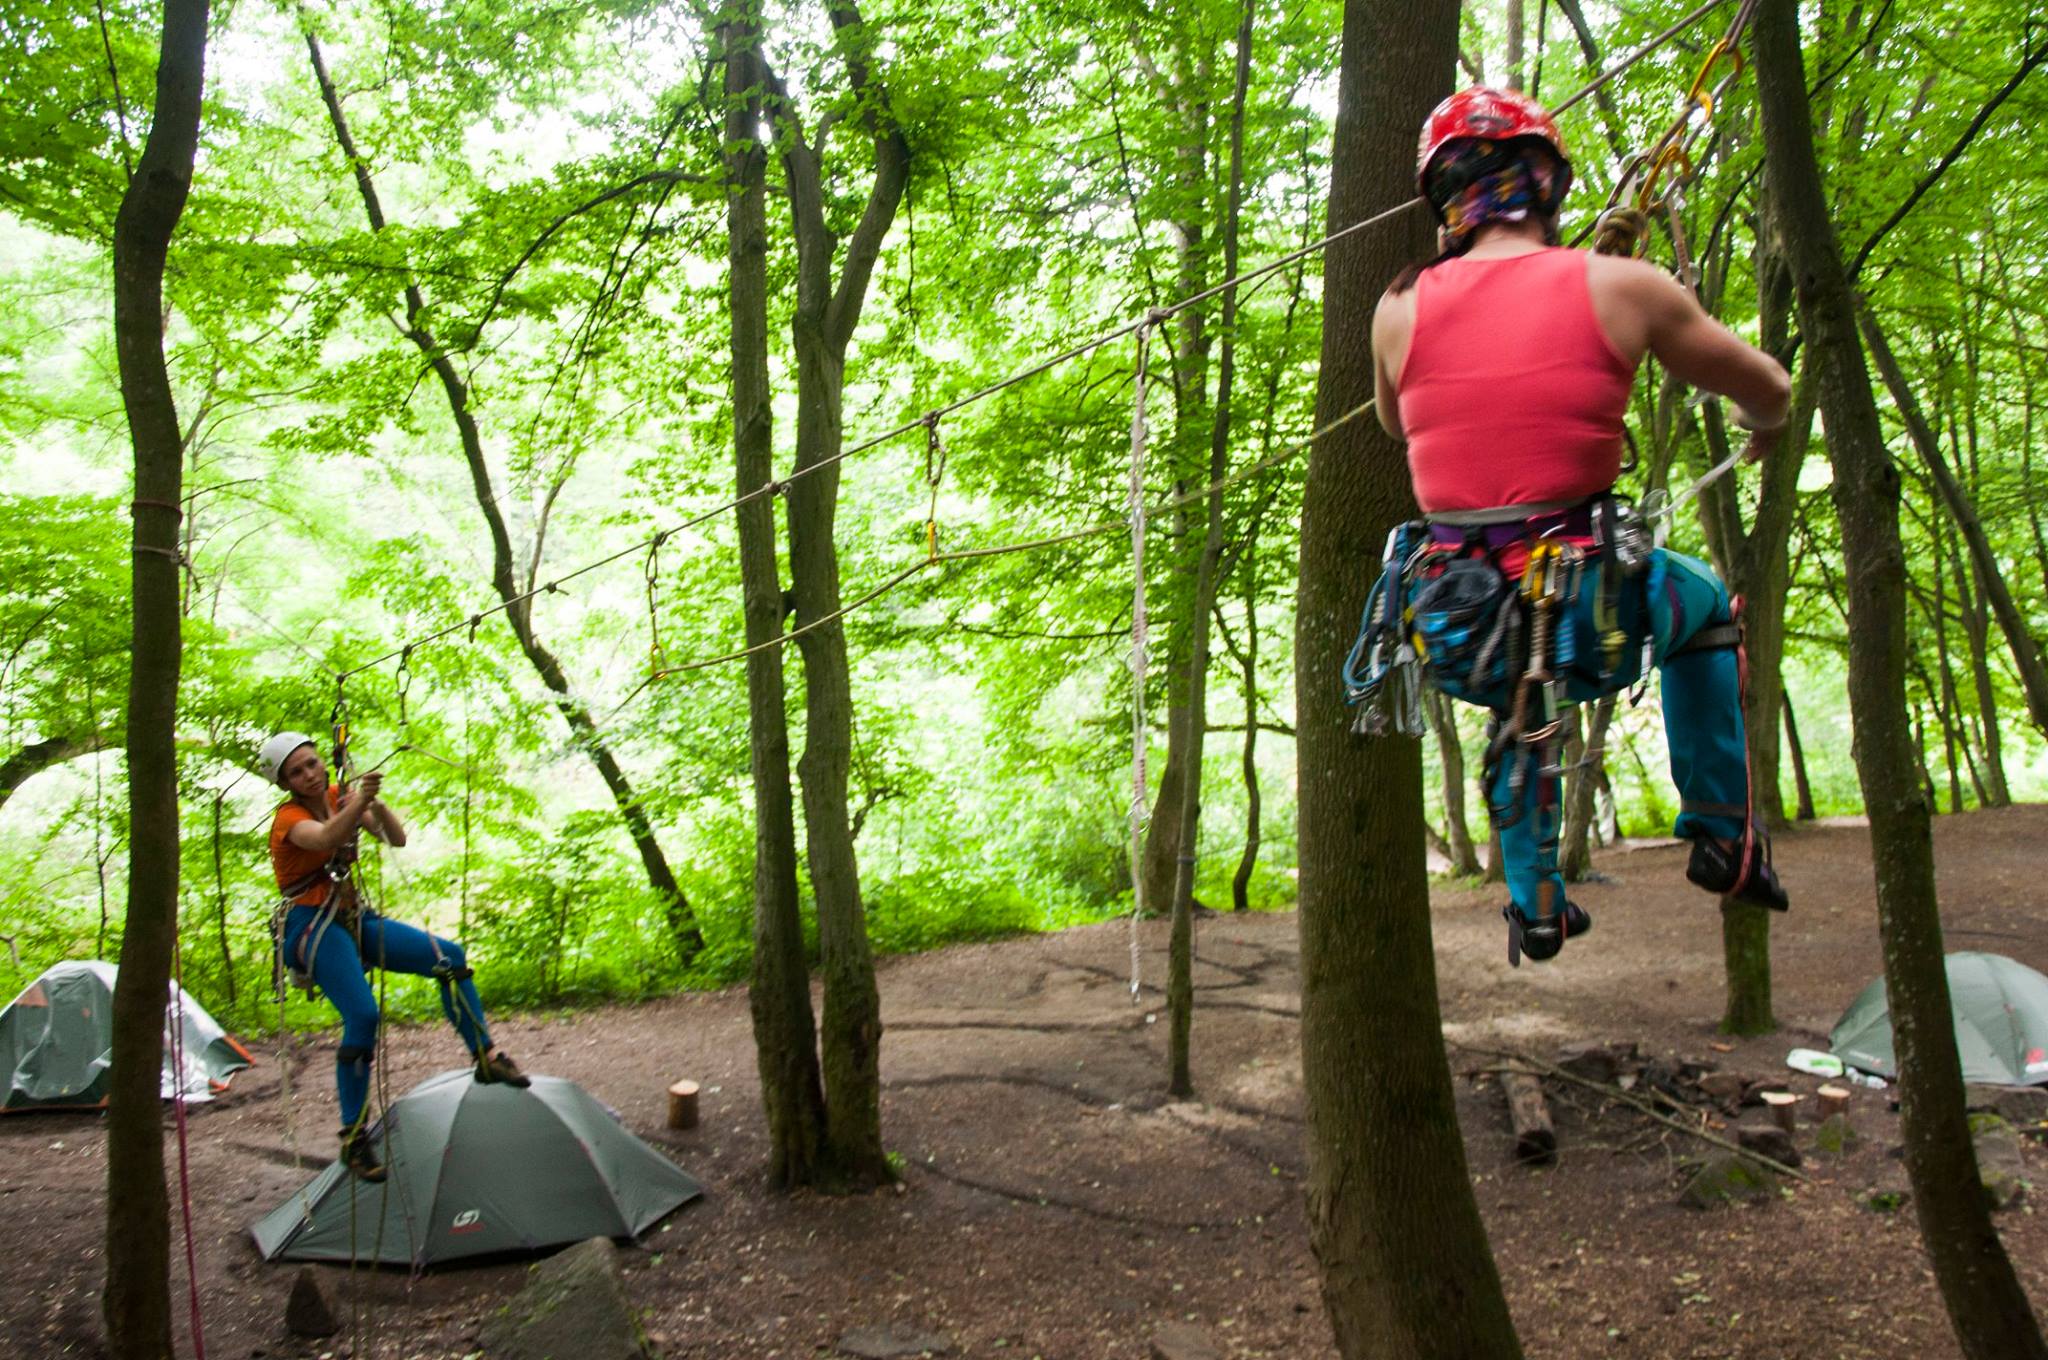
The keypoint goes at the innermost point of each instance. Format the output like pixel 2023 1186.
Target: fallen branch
pixel 1615 1093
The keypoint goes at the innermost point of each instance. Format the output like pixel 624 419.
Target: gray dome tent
pixel 57 1039
pixel 2001 1015
pixel 476 1170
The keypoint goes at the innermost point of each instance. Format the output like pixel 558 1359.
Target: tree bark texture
pixel 821 329
pixel 1240 882
pixel 137 1303
pixel 1406 1270
pixel 1576 860
pixel 1803 787
pixel 779 992
pixel 1987 1307
pixel 518 611
pixel 1746 962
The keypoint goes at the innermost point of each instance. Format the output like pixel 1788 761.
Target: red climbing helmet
pixel 1490 115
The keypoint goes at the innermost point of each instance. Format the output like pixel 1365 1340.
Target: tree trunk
pixel 1746 963
pixel 2026 649
pixel 779 994
pixel 1590 755
pixel 821 330
pixel 137 1300
pixel 36 756
pixel 1406 1271
pixel 1180 986
pixel 1240 882
pixel 518 610
pixel 1450 749
pixel 1987 1307
pixel 1798 753
pixel 1977 628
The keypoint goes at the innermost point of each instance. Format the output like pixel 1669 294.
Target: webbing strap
pixel 1498 514
pixel 1713 637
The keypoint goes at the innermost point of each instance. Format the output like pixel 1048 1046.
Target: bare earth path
pixel 1056 1206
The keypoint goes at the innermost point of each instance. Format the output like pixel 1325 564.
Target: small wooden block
pixel 682 1105
pixel 1784 1108
pixel 1535 1137
pixel 1833 1100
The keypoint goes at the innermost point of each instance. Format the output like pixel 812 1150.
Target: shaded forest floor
pixel 1056 1205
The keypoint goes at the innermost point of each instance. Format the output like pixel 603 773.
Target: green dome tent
pixel 2001 1012
pixel 57 1039
pixel 476 1170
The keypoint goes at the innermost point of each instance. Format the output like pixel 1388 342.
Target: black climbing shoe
pixel 498 1070
pixel 1718 869
pixel 359 1156
pixel 1541 940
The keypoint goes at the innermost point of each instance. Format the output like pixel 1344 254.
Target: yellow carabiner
pixel 1699 94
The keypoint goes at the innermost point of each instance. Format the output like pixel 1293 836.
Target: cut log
pixel 1784 1108
pixel 682 1105
pixel 1535 1137
pixel 1832 1100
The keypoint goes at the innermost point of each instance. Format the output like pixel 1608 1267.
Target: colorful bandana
pixel 1474 182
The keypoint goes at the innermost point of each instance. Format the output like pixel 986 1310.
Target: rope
pixel 927 418
pixel 1139 638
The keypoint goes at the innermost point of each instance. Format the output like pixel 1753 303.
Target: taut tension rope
pixel 1151 318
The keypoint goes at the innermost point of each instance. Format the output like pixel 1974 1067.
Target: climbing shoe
pixel 1540 940
pixel 359 1155
pixel 495 1069
pixel 1720 869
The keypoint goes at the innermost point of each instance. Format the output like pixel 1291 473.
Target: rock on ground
pixel 307 1312
pixel 2001 1166
pixel 573 1307
pixel 1727 1179
pixel 893 1343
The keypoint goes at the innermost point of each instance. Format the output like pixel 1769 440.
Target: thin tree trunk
pixel 2026 649
pixel 1240 882
pixel 1987 1306
pixel 1180 986
pixel 1746 964
pixel 779 995
pixel 518 611
pixel 1406 1271
pixel 821 329
pixel 1450 749
pixel 136 1303
pixel 1591 755
pixel 1977 628
pixel 1800 782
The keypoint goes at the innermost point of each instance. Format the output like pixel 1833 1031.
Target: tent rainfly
pixel 477 1170
pixel 57 1039
pixel 2001 1016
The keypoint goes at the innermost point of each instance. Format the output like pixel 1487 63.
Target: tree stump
pixel 682 1105
pixel 1833 1100
pixel 1784 1108
pixel 1535 1136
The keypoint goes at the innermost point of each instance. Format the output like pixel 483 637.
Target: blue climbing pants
pixel 340 969
pixel 1669 604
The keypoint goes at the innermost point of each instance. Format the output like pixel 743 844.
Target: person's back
pixel 1510 392
pixel 1506 364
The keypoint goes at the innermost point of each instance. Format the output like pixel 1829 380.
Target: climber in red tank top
pixel 1506 364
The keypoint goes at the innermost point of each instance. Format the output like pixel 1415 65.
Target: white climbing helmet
pixel 278 750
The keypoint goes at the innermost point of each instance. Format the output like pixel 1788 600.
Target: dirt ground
pixel 1055 1205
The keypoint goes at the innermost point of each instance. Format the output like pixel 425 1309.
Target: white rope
pixel 1138 641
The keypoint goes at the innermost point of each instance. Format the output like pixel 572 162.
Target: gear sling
pixel 1525 610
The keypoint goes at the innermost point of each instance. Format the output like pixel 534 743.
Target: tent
pixel 57 1037
pixel 476 1170
pixel 2001 1012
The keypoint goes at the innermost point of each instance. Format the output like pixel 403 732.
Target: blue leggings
pixel 1669 604
pixel 340 969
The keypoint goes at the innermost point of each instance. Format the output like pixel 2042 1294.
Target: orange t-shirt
pixel 294 862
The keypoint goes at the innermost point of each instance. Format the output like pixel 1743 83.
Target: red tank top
pixel 1511 394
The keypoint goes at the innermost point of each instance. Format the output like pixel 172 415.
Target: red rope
pixel 176 1007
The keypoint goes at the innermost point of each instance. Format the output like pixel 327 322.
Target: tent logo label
pixel 2037 1061
pixel 468 1221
